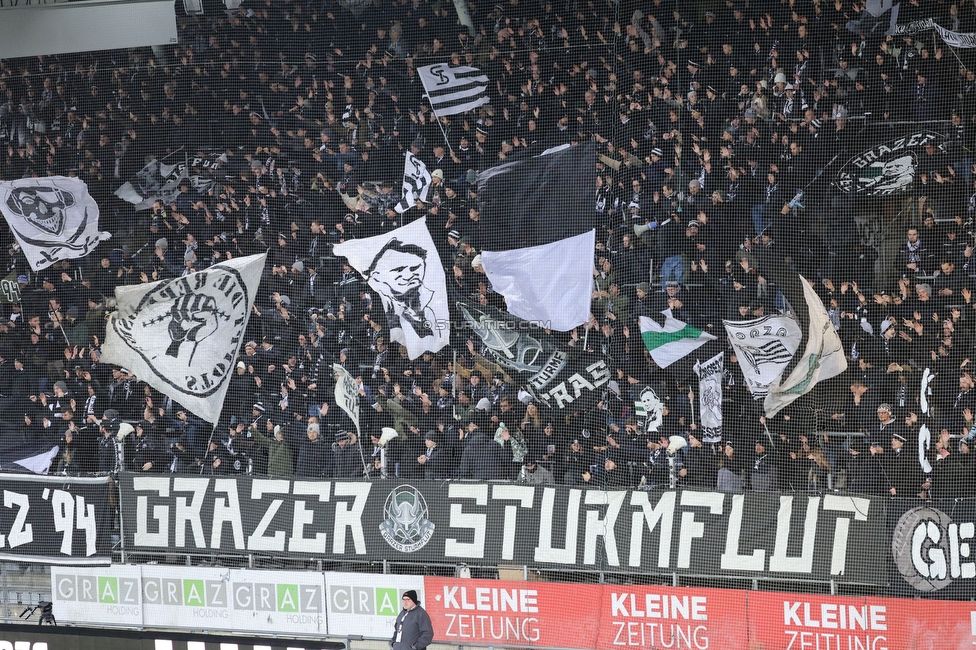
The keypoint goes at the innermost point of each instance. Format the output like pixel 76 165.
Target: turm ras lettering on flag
pixel 182 336
pixel 403 267
pixel 53 218
pixel 539 222
pixel 557 376
pixel 453 89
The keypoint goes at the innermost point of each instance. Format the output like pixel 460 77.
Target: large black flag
pixel 540 236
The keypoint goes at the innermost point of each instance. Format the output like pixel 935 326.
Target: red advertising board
pixel 538 614
pixel 679 619
pixel 520 614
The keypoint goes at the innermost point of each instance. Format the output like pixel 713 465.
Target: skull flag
pixel 182 336
pixel 53 218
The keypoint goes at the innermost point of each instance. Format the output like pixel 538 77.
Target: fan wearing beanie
pixel 413 629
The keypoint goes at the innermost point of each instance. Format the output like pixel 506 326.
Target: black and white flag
pixel 878 18
pixel 182 336
pixel 403 267
pixel 557 376
pixel 764 347
pixel 710 374
pixel 416 183
pixel 885 164
pixel 453 89
pixel 158 180
pixel 53 218
pixel 820 352
pixel 539 218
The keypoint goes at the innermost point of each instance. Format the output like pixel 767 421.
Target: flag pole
pixel 206 454
pixel 443 132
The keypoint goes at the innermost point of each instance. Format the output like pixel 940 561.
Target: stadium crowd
pixel 717 125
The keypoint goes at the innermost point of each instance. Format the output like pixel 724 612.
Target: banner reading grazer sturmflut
pixel 710 533
pixel 56 519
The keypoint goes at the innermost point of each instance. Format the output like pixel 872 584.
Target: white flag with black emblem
pixel 416 183
pixel 347 394
pixel 763 347
pixel 453 89
pixel 53 218
pixel 182 336
pixel 403 267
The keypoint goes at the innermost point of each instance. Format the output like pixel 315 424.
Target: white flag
pixel 453 89
pixel 53 218
pixel 823 357
pixel 416 183
pixel 763 347
pixel 182 336
pixel 710 374
pixel 347 394
pixel 156 181
pixel 404 268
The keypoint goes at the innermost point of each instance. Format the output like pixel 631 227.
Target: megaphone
pixel 640 229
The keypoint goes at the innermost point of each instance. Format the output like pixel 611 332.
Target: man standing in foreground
pixel 412 630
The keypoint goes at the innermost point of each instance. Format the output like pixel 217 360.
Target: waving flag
pixel 182 336
pixel 539 239
pixel 671 340
pixel 403 267
pixel 453 89
pixel 53 218
pixel 823 354
pixel 416 183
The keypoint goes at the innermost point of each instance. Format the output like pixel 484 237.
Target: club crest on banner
pixel 889 167
pixel 406 526
pixel 187 312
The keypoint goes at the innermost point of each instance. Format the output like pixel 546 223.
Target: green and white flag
pixel 672 340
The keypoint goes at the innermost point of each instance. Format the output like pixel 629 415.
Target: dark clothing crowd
pixel 719 127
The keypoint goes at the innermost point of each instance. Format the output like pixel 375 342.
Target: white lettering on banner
pixel 545 552
pixel 693 608
pixel 780 561
pixel 477 522
pixel 302 517
pixel 835 616
pixel 852 619
pixel 597 527
pixel 731 560
pixel 20 532
pixel 501 628
pixel 662 513
pixel 492 599
pixel 691 529
pixel 153 530
pixel 826 641
pixel 524 494
pixel 931 550
pixel 668 635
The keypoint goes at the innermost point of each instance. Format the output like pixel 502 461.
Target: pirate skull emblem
pixel 43 207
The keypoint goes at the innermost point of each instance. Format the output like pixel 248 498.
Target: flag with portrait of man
pixel 403 267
